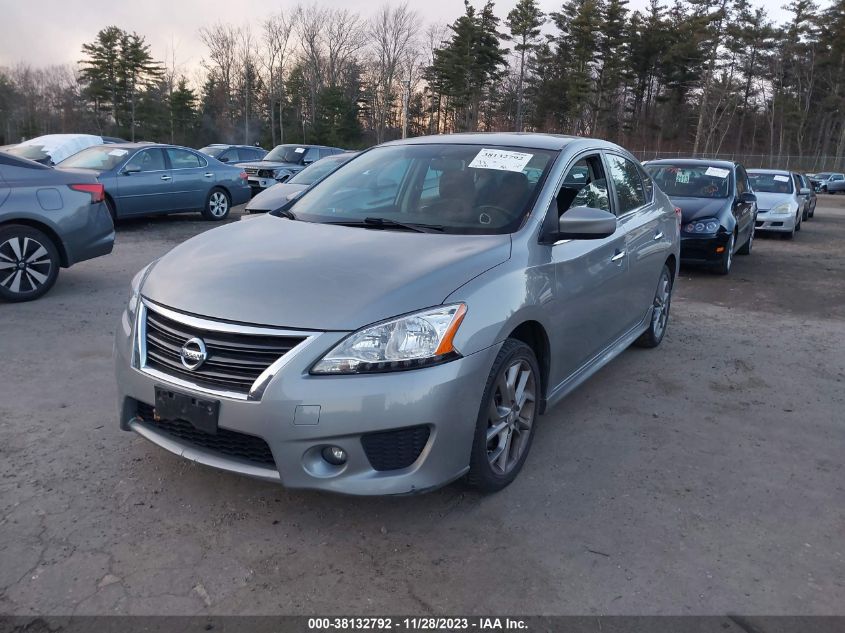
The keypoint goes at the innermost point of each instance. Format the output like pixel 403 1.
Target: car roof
pixel 530 140
pixel 770 171
pixel 693 161
pixel 233 145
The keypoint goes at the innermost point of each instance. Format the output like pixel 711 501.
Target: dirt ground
pixel 704 477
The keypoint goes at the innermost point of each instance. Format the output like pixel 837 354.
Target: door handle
pixel 618 256
pixel 208 175
pixel 658 236
pixel 165 177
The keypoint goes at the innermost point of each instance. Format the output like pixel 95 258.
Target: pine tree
pixel 524 22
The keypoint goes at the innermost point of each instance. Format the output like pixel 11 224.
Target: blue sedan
pixel 146 178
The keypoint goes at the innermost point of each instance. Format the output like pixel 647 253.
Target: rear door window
pixel 183 159
pixel 625 175
pixel 148 160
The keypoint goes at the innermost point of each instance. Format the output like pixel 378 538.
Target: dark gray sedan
pixel 146 178
pixel 49 219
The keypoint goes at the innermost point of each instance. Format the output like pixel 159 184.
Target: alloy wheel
pixel 662 301
pixel 218 204
pixel 511 416
pixel 25 264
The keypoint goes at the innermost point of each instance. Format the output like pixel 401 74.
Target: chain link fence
pixel 803 164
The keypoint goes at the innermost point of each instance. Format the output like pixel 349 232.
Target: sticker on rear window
pixel 780 178
pixel 682 177
pixel 718 172
pixel 119 152
pixel 500 159
pixel 299 150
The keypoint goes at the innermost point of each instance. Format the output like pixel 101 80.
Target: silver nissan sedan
pixel 406 321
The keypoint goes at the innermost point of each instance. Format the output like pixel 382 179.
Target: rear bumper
pixel 707 249
pixel 92 235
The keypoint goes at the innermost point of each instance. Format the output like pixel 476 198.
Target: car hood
pixel 279 272
pixel 274 197
pixel 766 201
pixel 695 208
pixel 269 164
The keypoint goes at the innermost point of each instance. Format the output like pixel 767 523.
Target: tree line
pixel 701 77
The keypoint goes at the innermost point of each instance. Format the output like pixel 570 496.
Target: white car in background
pixel 780 204
pixel 52 149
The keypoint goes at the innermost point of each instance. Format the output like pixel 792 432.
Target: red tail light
pixel 97 191
pixel 243 175
pixel 678 214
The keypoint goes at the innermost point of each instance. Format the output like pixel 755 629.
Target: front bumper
pixel 775 222
pixel 703 248
pixel 299 414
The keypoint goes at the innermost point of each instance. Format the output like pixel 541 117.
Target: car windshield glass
pixel 450 188
pixel 824 175
pixel 313 173
pixel 286 154
pixel 214 152
pixel 770 183
pixel 691 181
pixel 101 158
pixel 32 152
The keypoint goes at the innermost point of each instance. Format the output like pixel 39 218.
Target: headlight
pixel 783 207
pixel 416 340
pixel 135 291
pixel 707 225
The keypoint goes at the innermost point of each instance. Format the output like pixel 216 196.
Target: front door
pixel 590 277
pixel 145 187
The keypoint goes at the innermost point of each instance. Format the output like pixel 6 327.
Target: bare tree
pixel 393 33
pixel 309 23
pixel 246 65
pixel 344 34
pixel 222 43
pixel 277 32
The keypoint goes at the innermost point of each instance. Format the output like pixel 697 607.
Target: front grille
pixel 248 448
pixel 234 361
pixel 251 171
pixel 392 450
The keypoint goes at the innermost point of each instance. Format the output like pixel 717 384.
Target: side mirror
pixel 130 169
pixel 747 197
pixel 586 223
pixel 804 191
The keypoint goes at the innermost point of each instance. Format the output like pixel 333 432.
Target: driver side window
pixel 585 185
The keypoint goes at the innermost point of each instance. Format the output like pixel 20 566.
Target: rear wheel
pixel 505 425
pixel 29 263
pixel 660 311
pixel 217 205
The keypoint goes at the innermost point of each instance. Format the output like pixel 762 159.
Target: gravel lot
pixel 704 477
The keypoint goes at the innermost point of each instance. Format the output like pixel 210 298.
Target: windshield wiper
pixel 384 223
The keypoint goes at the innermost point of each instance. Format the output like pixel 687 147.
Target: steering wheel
pixel 492 214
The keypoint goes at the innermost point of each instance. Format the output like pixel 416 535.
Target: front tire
pixel 217 205
pixel 506 419
pixel 660 311
pixel 724 266
pixel 749 243
pixel 29 263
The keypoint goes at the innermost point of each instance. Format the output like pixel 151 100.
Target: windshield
pixel 214 152
pixel 101 158
pixel 320 169
pixel 770 183
pixel 286 154
pixel 450 188
pixel 824 175
pixel 691 181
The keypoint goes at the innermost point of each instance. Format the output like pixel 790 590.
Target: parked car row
pixel 723 205
pixel 827 182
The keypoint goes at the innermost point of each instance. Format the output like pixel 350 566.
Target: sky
pixel 46 32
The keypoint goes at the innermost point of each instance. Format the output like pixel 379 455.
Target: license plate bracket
pixel 201 414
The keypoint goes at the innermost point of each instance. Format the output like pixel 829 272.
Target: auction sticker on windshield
pixel 717 171
pixel 780 178
pixel 118 152
pixel 500 159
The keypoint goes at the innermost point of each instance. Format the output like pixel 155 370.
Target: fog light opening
pixel 334 455
pixel 720 249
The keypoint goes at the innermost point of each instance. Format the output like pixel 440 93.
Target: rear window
pixel 691 181
pixel 14 161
